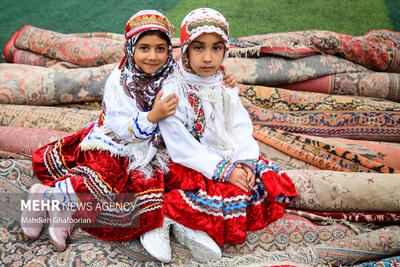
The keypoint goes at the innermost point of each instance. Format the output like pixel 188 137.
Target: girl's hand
pixel 162 108
pixel 229 79
pixel 238 177
pixel 250 176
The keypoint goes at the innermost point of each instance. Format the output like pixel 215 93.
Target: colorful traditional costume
pixel 119 158
pixel 208 136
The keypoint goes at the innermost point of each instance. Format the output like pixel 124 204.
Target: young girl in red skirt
pixel 218 187
pixel 109 178
pixel 119 158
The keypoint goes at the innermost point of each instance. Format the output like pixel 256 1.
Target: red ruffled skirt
pixel 223 210
pixel 98 178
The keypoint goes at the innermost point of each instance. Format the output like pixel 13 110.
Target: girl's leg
pixel 32 218
pixel 61 223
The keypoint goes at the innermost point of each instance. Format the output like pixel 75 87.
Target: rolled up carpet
pixel 54 118
pixel 32 85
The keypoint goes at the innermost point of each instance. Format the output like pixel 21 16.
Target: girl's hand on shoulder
pixel 229 79
pixel 238 177
pixel 162 108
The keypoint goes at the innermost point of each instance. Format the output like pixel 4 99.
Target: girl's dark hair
pixel 160 34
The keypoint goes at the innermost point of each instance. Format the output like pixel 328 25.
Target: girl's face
pixel 206 53
pixel 151 53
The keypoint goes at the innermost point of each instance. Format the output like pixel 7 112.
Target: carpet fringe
pixel 255 50
pixel 243 52
pixel 359 228
pixel 300 257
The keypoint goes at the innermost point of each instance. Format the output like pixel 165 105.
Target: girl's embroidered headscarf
pixel 136 83
pixel 199 21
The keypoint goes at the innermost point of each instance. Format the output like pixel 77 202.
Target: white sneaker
pixel 157 243
pixel 200 244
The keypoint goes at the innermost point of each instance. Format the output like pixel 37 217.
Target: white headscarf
pixel 211 89
pixel 204 20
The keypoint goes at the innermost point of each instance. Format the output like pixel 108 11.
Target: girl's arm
pixel 246 148
pixel 122 114
pixel 186 150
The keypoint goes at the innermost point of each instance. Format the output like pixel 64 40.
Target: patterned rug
pixel 377 50
pixel 330 130
pixel 278 71
pixel 314 61
pixel 376 84
pixel 54 118
pixel 322 61
pixel 321 114
pixel 318 153
pixel 363 217
pixel 20 142
pixel 78 50
pixel 291 232
pixel 32 85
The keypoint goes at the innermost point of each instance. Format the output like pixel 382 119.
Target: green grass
pixel 394 12
pixel 72 16
pixel 247 17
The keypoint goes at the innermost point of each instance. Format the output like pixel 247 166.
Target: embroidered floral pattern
pixel 208 22
pixel 158 141
pixel 199 122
